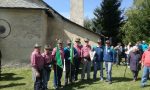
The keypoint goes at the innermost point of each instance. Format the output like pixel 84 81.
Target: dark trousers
pixel 69 74
pixel 135 74
pixel 38 84
pixel 57 76
pixel 76 67
pixel 47 71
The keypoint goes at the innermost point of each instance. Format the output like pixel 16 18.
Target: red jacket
pixel 146 58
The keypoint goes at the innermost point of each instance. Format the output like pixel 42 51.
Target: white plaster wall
pixel 27 28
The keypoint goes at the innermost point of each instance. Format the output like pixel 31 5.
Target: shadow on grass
pixel 11 85
pixel 80 84
pixel 9 77
pixel 121 79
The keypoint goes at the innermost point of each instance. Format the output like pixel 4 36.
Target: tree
pixel 88 23
pixel 137 26
pixel 108 19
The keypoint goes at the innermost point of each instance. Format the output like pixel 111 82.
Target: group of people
pixel 84 55
pixel 138 56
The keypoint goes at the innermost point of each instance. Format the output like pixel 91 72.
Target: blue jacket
pixel 67 54
pixel 108 55
pixel 99 54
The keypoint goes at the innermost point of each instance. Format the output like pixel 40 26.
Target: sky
pixel 63 6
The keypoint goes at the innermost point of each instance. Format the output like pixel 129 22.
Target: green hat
pixel 59 41
pixel 37 45
pixel 86 39
pixel 47 47
pixel 77 40
pixel 99 40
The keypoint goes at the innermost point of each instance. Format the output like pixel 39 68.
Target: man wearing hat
pixel 78 48
pixel 69 66
pixel 37 63
pixel 86 61
pixel 47 64
pixel 98 61
pixel 57 69
pixel 109 60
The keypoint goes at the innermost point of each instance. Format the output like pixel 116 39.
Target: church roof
pixel 35 4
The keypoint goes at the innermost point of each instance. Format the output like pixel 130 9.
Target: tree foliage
pixel 88 23
pixel 137 26
pixel 108 18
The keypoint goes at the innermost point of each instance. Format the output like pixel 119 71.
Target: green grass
pixel 21 79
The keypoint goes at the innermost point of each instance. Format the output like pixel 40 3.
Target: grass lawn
pixel 20 79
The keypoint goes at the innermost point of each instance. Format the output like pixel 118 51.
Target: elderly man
pixel 37 63
pixel 77 61
pixel 69 65
pixel 146 64
pixel 98 61
pixel 133 60
pixel 109 60
pixel 47 64
pixel 57 69
pixel 86 61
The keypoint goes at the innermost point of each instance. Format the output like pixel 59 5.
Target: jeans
pixel 108 66
pixel 146 72
pixel 98 65
pixel 86 67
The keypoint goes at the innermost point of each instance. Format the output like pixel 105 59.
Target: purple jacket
pixel 133 59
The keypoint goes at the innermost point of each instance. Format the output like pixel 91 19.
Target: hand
pixel 69 58
pixel 37 74
pixel 142 65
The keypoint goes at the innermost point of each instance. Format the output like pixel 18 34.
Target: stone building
pixel 26 22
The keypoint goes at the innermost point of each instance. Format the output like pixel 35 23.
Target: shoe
pixel 66 84
pixel 59 86
pixel 56 88
pixel 106 80
pixel 76 79
pixel 82 79
pixel 88 79
pixel 110 82
pixel 94 78
pixel 142 86
pixel 101 79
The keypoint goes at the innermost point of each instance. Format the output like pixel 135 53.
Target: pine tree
pixel 108 18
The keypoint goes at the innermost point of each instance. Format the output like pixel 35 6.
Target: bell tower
pixel 77 11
